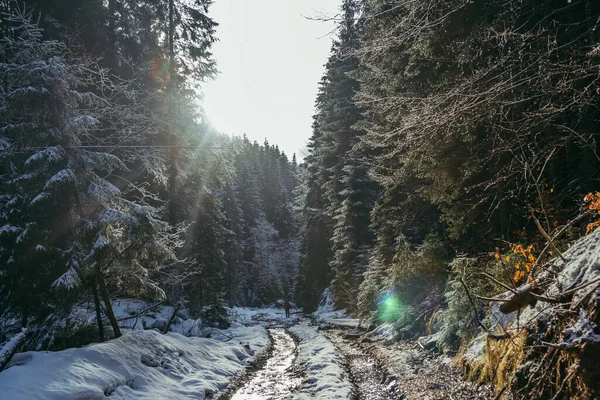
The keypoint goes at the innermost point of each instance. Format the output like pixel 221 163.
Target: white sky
pixel 271 60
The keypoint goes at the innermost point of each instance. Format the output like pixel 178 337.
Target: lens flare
pixel 159 70
pixel 390 307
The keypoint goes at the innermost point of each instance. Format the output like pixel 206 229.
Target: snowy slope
pixel 579 272
pixel 140 364
pixel 581 269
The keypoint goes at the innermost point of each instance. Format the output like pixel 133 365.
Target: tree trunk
pixel 170 322
pixel 98 311
pixel 111 25
pixel 107 305
pixel 171 136
pixel 171 34
pixel 24 314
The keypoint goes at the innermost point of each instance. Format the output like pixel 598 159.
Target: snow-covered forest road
pixel 278 378
pixel 335 361
pixel 262 355
pixel 321 373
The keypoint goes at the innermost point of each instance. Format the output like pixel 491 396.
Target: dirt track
pixel 379 371
pixel 424 375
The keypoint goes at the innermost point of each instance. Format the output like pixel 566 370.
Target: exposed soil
pixel 424 375
pixel 379 371
pixel 371 380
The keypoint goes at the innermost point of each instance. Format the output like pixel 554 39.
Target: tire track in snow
pixel 277 380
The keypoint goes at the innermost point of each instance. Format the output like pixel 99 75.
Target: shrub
pixel 215 316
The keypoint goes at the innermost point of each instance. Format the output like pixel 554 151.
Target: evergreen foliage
pixel 339 194
pixel 111 184
pixel 441 128
pixel 438 125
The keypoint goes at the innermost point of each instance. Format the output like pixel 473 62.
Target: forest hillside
pixel 454 155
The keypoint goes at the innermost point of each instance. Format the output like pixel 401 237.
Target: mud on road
pixel 371 381
pixel 402 371
pixel 378 370
pixel 278 379
pixel 424 375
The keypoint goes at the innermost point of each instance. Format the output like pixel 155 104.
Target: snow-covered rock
pixel 580 270
pixel 581 266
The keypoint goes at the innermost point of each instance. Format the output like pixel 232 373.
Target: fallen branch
pixel 521 299
pixel 141 312
pixel 561 296
pixel 473 305
pixel 10 348
pixel 563 230
pixel 545 235
pixel 492 299
pixel 504 285
pixel 578 304
pixel 568 292
pixel 494 336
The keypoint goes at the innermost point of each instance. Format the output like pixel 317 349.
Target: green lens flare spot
pixel 390 309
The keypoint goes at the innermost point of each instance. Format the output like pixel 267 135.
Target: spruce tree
pixel 72 226
pixel 337 177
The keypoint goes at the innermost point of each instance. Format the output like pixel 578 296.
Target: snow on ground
pixel 264 316
pixel 422 374
pixel 141 363
pixel 385 331
pixel 278 378
pixel 583 265
pixel 326 377
pixel 327 314
pixel 581 271
pixel 156 318
pixel 339 318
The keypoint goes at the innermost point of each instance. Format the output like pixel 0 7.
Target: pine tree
pixel 316 230
pixel 40 125
pixel 206 286
pixel 353 236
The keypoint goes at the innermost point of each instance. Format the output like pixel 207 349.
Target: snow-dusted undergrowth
pixel 325 374
pixel 263 316
pixel 581 269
